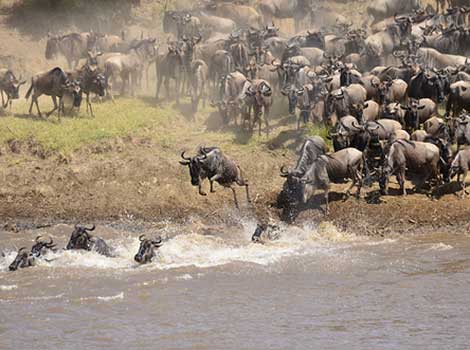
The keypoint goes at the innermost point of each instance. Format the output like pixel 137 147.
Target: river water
pixel 315 288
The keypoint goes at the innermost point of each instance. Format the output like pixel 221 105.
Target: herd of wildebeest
pixel 394 92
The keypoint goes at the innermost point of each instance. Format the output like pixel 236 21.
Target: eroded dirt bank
pixel 137 179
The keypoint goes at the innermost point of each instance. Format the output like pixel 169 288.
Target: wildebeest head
pixel 461 126
pixel 52 46
pixel 23 259
pixel 40 246
pixel 270 32
pixel 404 24
pixel 293 186
pixel 11 85
pixel 146 250
pixel 438 82
pixel 291 51
pixel 73 88
pixel 80 238
pixel 292 96
pixel 411 114
pixel 99 83
pixel 92 58
pixel 194 164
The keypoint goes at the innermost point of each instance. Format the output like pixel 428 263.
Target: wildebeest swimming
pixel 81 239
pixel 147 247
pixel 26 258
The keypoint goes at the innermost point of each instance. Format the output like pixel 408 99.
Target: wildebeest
pixel 90 81
pixel 432 58
pixel 459 98
pixel 40 247
pixel 333 168
pixel 312 148
pixel 26 258
pixel 53 83
pixel 380 45
pixel 244 16
pixel 199 75
pixel 146 251
pixel 462 130
pixel 23 259
pixel 81 239
pixel 381 9
pixel 265 232
pixel 259 97
pixel 129 66
pixel 339 102
pixel 72 46
pixel 170 66
pixel 296 9
pixel 413 158
pixel 429 84
pixel 460 166
pixel 232 93
pixel 454 40
pixel 392 91
pixel 418 111
pixel 10 86
pixel 215 23
pixel 369 111
pixel 211 163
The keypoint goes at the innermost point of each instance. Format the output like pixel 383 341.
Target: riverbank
pixel 123 165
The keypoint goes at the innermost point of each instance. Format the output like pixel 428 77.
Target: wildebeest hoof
pixel 203 193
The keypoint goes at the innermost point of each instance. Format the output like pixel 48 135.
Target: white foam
pixel 184 277
pixel 203 251
pixel 8 287
pixel 119 296
pixel 440 247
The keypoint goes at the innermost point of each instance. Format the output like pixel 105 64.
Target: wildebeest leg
pixel 89 104
pixel 462 184
pixel 54 100
pixel 167 87
pixel 201 192
pixel 159 85
pixel 242 182
pixel 401 181
pixel 327 205
pixel 3 101
pixel 212 186
pixel 178 81
pixel 35 101
pixel 267 110
pixel 235 196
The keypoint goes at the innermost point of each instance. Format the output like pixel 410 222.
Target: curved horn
pixel 21 249
pixel 141 238
pixel 185 158
pixel 284 173
pixel 90 229
pixel 355 125
pixel 38 238
pixel 157 241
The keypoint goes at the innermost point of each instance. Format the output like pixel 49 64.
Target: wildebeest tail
pixel 30 90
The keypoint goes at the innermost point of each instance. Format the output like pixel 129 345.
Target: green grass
pixel 166 125
pixel 111 120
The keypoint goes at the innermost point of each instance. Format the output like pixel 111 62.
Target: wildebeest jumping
pixel 210 163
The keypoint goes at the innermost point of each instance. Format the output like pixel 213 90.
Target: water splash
pixel 192 248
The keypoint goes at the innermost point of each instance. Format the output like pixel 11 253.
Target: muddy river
pixel 314 288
